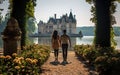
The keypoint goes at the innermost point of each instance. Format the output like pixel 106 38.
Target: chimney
pixel 55 16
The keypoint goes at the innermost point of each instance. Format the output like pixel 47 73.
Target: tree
pixel 19 13
pixel 4 22
pixel 32 26
pixel 112 18
pixel 103 23
pixel 22 10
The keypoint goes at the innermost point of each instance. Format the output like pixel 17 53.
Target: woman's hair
pixel 55 34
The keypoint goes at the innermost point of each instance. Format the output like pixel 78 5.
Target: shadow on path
pixel 73 67
pixel 90 67
pixel 59 63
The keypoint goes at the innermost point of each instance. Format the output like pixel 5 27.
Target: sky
pixel 47 8
pixel 80 8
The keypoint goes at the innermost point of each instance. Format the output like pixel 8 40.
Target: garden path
pixel 74 66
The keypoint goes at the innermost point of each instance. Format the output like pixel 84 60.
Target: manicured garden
pixel 27 63
pixel 106 61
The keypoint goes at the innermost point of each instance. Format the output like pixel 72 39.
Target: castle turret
pixel 71 15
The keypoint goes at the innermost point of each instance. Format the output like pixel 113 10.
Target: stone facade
pixel 59 24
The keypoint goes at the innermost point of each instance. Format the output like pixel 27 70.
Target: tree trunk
pixel 103 23
pixel 18 12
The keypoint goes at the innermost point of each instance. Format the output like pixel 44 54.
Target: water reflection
pixel 44 40
pixel 89 40
pixel 74 41
pixel 47 41
pixel 85 40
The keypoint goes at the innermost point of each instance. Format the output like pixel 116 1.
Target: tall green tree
pixel 103 23
pixel 112 18
pixel 19 13
pixel 22 10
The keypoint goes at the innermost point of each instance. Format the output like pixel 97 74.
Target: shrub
pixel 106 60
pixel 28 63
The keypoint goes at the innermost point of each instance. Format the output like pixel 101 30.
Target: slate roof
pixel 66 18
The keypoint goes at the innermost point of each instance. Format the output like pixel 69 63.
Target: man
pixel 65 41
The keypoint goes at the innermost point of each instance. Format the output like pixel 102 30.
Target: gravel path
pixel 74 66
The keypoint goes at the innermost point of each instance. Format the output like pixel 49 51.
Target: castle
pixel 59 24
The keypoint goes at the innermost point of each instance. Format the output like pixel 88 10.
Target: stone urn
pixel 11 37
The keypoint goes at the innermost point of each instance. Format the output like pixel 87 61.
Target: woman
pixel 55 44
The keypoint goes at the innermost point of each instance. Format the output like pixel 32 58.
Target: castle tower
pixel 72 23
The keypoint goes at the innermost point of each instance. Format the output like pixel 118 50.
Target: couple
pixel 60 41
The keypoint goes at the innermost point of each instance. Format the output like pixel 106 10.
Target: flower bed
pixel 27 63
pixel 105 60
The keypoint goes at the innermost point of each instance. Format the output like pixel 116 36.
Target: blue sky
pixel 47 8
